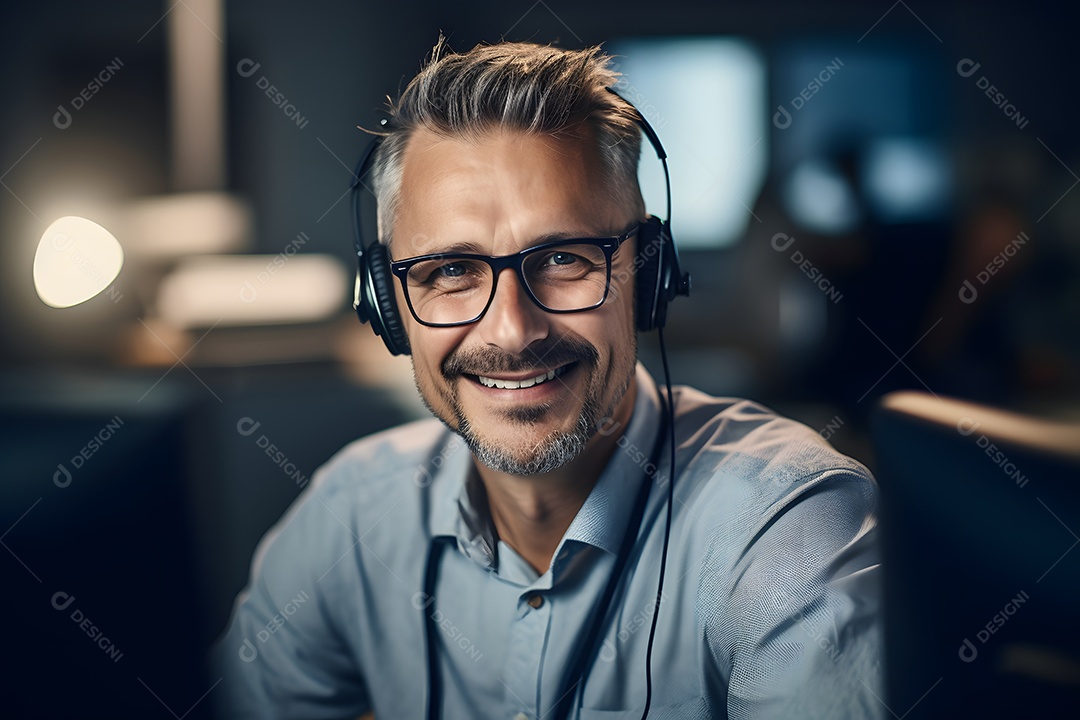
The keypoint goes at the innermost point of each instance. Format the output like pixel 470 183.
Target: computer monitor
pixel 980 521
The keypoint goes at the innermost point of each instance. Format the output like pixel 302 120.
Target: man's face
pixel 497 195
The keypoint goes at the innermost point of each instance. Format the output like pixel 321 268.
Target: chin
pixel 550 453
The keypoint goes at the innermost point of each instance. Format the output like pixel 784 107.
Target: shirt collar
pixel 601 521
pixel 459 509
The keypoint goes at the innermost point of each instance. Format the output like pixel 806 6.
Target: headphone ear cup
pixel 651 300
pixel 381 305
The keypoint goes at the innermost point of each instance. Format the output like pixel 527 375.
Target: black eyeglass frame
pixel 516 262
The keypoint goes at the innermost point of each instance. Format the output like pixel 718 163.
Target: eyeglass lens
pixel 453 288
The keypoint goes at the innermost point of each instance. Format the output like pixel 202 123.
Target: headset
pixel 659 276
pixel 659 280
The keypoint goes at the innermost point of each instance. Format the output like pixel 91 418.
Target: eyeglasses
pixel 565 276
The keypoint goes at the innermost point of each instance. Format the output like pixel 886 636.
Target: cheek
pixel 612 332
pixel 622 291
pixel 616 312
pixel 626 342
pixel 431 347
pixel 428 353
pixel 625 300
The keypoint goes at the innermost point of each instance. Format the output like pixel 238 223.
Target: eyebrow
pixel 475 249
pixel 455 248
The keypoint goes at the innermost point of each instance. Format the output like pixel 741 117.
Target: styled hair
pixel 521 86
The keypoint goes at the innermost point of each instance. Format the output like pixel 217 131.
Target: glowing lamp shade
pixel 76 259
pixel 244 290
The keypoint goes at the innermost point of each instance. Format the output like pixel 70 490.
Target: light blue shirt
pixel 771 604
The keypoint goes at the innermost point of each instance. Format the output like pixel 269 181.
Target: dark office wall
pixel 336 63
pixel 333 63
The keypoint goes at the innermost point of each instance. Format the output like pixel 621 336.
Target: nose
pixel 512 321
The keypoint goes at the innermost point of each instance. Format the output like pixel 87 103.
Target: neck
pixel 532 513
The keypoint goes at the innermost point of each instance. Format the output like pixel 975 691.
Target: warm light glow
pixel 76 259
pixel 171 226
pixel 252 290
pixel 197 75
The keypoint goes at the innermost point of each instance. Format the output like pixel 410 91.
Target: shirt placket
pixel 525 659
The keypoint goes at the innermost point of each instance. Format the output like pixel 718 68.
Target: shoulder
pixel 732 439
pixel 750 478
pixel 383 479
pixel 385 459
pixel 786 540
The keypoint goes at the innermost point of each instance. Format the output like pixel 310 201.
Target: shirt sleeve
pixel 284 654
pixel 796 610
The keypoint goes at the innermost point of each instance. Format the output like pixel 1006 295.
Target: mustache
pixel 541 355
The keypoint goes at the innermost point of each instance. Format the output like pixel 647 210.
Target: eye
pixel 562 258
pixel 447 274
pixel 451 270
pixel 565 263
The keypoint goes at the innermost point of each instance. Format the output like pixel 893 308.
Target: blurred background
pixel 870 197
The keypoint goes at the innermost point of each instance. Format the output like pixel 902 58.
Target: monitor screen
pixel 706 99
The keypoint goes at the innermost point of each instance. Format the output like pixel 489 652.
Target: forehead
pixel 500 190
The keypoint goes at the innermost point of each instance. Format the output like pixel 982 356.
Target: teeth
pixel 517 384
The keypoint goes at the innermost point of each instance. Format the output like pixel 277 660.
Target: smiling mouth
pixel 523 383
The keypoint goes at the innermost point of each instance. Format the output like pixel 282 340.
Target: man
pixel 502 566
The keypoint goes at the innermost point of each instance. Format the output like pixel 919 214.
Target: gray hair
pixel 523 86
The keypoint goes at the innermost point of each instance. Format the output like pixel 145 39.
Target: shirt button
pixel 534 602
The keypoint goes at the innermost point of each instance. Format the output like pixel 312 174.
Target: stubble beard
pixel 559 447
